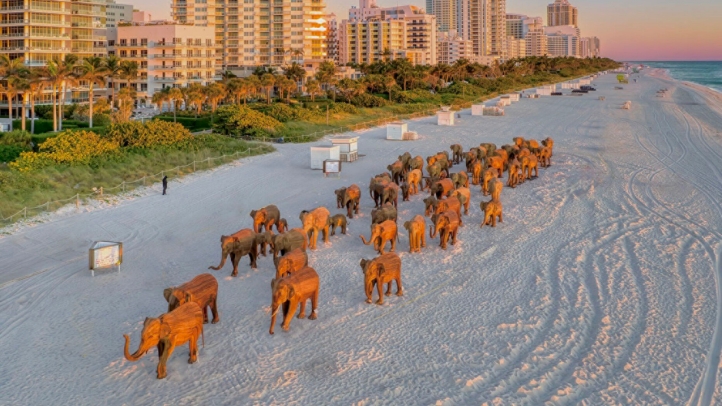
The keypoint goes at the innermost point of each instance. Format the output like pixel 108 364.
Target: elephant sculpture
pixel 470 158
pixel 495 187
pixel 545 157
pixel 413 178
pixel 282 226
pixel 315 221
pixel 339 220
pixel 383 213
pixel 263 239
pixel 405 161
pixel 291 262
pixel 238 245
pixel 447 225
pixel 497 163
pixel 451 204
pixel 380 271
pixel 351 199
pixel 514 167
pixel 381 234
pixel 489 148
pixel 529 165
pixel 431 203
pixel 397 171
pixel 519 141
pixel 486 176
pixel 435 170
pixel 201 290
pixel 492 210
pixel 549 143
pixel 509 149
pixel 167 331
pixel 404 192
pixel 390 194
pixel 442 187
pixel 416 162
pixel 481 153
pixel 266 218
pixel 522 153
pixel 464 196
pixel 288 241
pixel 504 156
pixel 460 179
pixel 476 171
pixel 533 144
pixel 457 152
pixel 291 291
pixel 416 228
pixel 376 189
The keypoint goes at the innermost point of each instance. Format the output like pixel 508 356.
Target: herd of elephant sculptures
pixel 295 282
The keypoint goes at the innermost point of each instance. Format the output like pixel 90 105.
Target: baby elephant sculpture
pixel 237 245
pixel 464 196
pixel 282 226
pixel 492 209
pixel 413 178
pixel 497 163
pixel 495 187
pixel 549 143
pixel 338 220
pixel 288 241
pixel 315 221
pixel 486 176
pixel 454 204
pixel 169 330
pixel 416 228
pixel 460 179
pixel 545 157
pixel 263 239
pixel 349 197
pixel 381 234
pixel 291 262
pixel 383 213
pixel 201 290
pixel 447 225
pixel 442 187
pixel 382 270
pixel 291 291
pixel 266 217
pixel 514 178
pixel 457 152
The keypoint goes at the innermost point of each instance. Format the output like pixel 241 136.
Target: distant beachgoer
pixel 165 183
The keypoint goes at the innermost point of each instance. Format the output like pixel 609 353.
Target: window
pixel 144 41
pixel 123 42
pixel 144 53
pixel 134 54
pixel 123 54
pixel 133 42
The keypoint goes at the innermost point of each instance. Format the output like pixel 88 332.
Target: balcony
pixel 168 56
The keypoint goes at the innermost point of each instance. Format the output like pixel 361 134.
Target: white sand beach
pixel 601 286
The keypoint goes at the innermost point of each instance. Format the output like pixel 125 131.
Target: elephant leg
pixel 380 288
pixel 167 351
pixel 333 230
pixel 292 304
pixel 234 260
pixel 204 309
pixel 343 229
pixel 399 288
pixel 393 244
pixel 214 310
pixel 453 237
pixel 302 312
pixel 314 305
pixel 193 344
pixel 500 218
pixel 325 234
pixel 388 288
pixel 253 257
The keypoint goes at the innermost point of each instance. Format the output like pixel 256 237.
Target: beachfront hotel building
pixel 115 13
pixel 484 23
pixel 589 47
pixel 251 33
pixel 562 41
pixel 561 13
pixel 451 47
pixel 168 53
pixel 447 14
pixel 42 30
pixel 373 33
pixel 515 48
pixel 332 38
pixel 519 25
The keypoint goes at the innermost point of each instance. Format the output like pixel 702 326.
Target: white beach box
pixel 320 154
pixel 505 101
pixel 514 97
pixel 543 92
pixel 445 117
pixel 493 111
pixel 477 109
pixel 396 130
pixel 348 145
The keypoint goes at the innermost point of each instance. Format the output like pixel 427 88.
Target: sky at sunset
pixel 641 30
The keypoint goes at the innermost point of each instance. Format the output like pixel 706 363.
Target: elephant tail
pixel 203 337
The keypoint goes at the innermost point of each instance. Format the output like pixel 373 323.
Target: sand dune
pixel 601 286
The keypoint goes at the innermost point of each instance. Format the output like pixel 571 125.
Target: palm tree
pixel 197 96
pixel 287 85
pixel 126 99
pixel 112 67
pixel 93 72
pixel 9 69
pixel 56 74
pixel 69 63
pixel 268 80
pixel 36 87
pixel 215 92
pixel 128 71
pixel 326 75
pixel 313 87
pixel 254 85
pixel 174 96
pixel 161 97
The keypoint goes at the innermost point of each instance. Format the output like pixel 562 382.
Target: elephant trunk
pixel 136 356
pixel 432 231
pixel 224 255
pixel 368 288
pixel 274 310
pixel 364 240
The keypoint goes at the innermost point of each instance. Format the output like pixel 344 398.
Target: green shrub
pixel 69 147
pixel 9 153
pixel 155 133
pixel 16 137
pixel 191 123
pixel 239 121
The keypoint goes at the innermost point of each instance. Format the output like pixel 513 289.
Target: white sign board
pixel 105 254
pixel 331 166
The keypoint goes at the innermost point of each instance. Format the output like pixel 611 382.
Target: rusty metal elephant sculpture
pixel 201 290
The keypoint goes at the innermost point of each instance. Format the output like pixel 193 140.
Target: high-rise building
pixel 332 38
pixel 589 47
pixel 446 12
pixel 515 48
pixel 365 35
pixel 536 43
pixel 115 13
pixel 40 31
pixel 252 33
pixel 451 47
pixel 562 40
pixel 484 23
pixel 518 25
pixel 561 13
pixel 169 54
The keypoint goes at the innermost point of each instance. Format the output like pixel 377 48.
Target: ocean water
pixel 704 73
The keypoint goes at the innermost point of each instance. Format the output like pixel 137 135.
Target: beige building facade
pixel 561 12
pixel 451 47
pixel 484 23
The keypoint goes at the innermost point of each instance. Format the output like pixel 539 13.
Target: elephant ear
pixel 273 284
pixel 363 265
pixel 147 320
pixel 167 292
pixel 291 291
pixel 380 269
pixel 253 213
pixel 164 330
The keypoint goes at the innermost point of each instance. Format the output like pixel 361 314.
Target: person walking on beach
pixel 165 184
